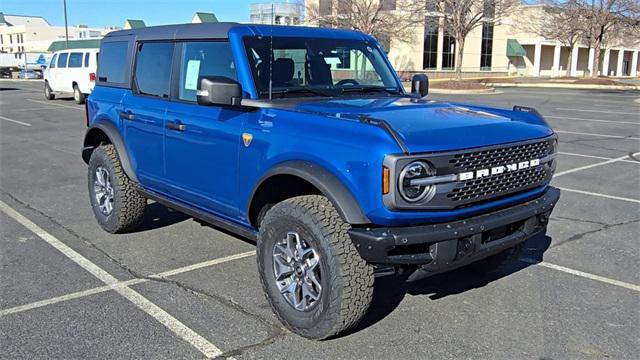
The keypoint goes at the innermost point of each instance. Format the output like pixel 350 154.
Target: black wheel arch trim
pixel 328 184
pixel 112 132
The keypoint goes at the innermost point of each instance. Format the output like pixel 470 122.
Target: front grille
pixel 498 184
pixel 495 157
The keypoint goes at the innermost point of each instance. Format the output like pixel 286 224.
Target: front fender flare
pixel 113 134
pixel 323 180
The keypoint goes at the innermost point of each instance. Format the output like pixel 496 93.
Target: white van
pixel 71 71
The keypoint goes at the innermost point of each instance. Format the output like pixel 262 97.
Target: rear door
pixel 202 142
pixel 143 111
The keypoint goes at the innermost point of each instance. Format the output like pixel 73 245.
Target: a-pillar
pixel 605 63
pixel 619 69
pixel 536 59
pixel 556 60
pixel 592 55
pixel 574 61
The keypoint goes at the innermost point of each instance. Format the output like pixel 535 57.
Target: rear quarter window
pixel 113 61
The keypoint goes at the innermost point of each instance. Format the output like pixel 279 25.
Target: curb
pixel 464 92
pixel 568 86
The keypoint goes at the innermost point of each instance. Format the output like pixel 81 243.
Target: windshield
pixel 318 67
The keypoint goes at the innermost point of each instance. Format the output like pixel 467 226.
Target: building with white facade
pixel 277 12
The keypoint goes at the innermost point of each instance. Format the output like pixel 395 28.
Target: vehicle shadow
pixel 389 291
pixel 158 216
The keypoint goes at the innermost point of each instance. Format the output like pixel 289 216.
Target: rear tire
pixel 48 93
pixel 78 96
pixel 495 263
pixel 329 269
pixel 116 202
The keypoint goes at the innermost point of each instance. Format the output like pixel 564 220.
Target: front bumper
pixel 442 246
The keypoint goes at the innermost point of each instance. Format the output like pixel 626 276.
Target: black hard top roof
pixel 176 32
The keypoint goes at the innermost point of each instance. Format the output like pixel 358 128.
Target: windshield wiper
pixel 366 89
pixel 286 91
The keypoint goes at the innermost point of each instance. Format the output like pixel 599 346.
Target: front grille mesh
pixel 495 157
pixel 502 184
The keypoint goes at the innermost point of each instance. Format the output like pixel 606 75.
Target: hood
pixel 426 126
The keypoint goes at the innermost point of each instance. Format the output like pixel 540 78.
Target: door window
pixel 75 60
pixel 62 60
pixel 52 65
pixel 153 69
pixel 201 58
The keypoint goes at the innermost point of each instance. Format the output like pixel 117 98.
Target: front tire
pixel 78 96
pixel 116 202
pixel 312 275
pixel 48 93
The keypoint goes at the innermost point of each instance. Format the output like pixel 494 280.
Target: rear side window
pixel 203 59
pixel 75 60
pixel 53 61
pixel 153 69
pixel 62 60
pixel 86 59
pixel 113 62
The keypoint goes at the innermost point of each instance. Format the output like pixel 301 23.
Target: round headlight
pixel 413 171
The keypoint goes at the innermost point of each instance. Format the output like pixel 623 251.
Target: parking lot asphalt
pixel 177 289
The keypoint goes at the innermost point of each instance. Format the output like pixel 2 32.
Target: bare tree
pixel 562 21
pixel 386 20
pixel 460 17
pixel 604 18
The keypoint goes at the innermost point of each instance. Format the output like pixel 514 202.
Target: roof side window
pixel 86 59
pixel 62 60
pixel 75 60
pixel 153 69
pixel 113 62
pixel 200 58
pixel 52 65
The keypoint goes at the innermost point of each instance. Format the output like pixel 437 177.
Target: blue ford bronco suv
pixel 305 141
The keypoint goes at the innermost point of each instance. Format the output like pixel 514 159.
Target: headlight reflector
pixel 412 171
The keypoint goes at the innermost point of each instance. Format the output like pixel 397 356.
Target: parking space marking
pixel 144 304
pixel 599 111
pixel 101 289
pixel 14 121
pixel 54 104
pixel 591 120
pixel 35 109
pixel 595 165
pixel 583 274
pixel 598 135
pixel 597 157
pixel 600 195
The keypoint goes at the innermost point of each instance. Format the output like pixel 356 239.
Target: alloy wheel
pixel 103 190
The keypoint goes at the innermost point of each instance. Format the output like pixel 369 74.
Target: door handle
pixel 127 115
pixel 176 126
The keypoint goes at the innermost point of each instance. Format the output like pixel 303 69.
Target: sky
pixel 101 13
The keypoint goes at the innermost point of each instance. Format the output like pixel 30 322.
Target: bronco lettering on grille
pixel 481 173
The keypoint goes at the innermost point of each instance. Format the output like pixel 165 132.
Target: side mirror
pixel 420 85
pixel 218 90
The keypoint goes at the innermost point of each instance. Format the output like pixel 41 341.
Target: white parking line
pixel 173 324
pixel 54 104
pixel 583 274
pixel 600 195
pixel 14 121
pixel 591 120
pixel 35 109
pixel 598 135
pixel 595 165
pixel 596 157
pixel 599 111
pixel 101 289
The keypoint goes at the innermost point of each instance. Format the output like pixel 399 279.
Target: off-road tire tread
pixel 355 275
pixel 132 203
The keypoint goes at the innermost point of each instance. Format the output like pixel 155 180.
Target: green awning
pixel 74 44
pixel 514 48
pixel 207 17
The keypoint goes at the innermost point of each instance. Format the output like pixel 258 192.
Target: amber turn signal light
pixel 385 180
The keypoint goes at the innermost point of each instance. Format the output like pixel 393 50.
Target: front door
pixel 143 112
pixel 202 142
